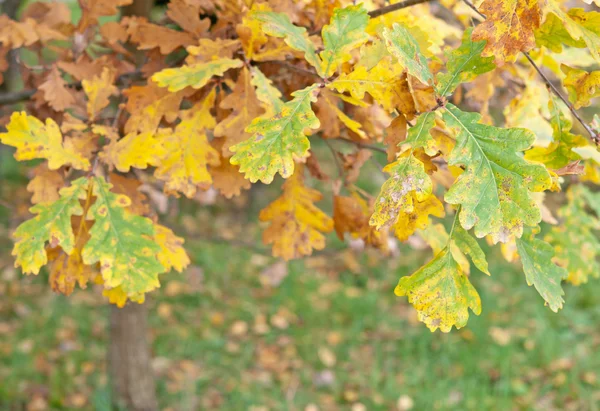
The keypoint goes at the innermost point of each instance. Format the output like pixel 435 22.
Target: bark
pixel 130 358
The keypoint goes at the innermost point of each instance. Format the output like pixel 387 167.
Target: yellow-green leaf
pixel 279 25
pixel 52 224
pixel 402 45
pixel 464 64
pixel 34 139
pixel 560 152
pixel 441 293
pixel 540 270
pixel 494 190
pixel 581 85
pixel 408 176
pixel 195 75
pixel 344 33
pixel 122 243
pixel 278 140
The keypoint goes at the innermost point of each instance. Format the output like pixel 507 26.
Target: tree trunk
pixel 130 360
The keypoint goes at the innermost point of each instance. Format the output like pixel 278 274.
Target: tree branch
pixel 384 10
pixel 594 136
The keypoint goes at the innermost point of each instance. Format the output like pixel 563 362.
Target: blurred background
pixel 241 330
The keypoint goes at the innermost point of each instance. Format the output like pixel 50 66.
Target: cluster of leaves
pixel 208 107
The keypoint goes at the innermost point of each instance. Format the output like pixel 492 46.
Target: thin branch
pixel 384 10
pixel 594 136
pixel 393 7
pixel 363 145
pixel 341 173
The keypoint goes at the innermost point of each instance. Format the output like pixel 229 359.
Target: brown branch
pixel 594 136
pixel 384 10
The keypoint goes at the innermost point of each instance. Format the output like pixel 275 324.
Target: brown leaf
pixel 187 15
pixel 245 107
pixel 58 96
pixel 91 10
pixel 574 168
pixel 130 187
pixel 148 36
pixel 395 134
pixel 45 184
pixel 354 162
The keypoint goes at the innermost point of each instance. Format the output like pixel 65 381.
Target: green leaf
pixel 583 28
pixel 122 243
pixel 278 140
pixel 344 33
pixel 464 64
pixel 536 256
pixel 419 135
pixel 494 190
pixel 51 224
pixel 279 25
pixel 407 175
pixel 469 246
pixel 266 93
pixel 441 293
pixel 559 153
pixel 402 45
pixel 576 239
pixel 196 75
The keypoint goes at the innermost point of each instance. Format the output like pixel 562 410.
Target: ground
pixel 241 330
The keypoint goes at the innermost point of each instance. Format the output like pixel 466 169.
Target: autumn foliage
pixel 230 93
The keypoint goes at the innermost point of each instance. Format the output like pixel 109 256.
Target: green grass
pixel 57 345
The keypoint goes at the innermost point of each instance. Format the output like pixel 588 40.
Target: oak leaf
pixel 91 10
pixel 196 75
pixel 297 225
pixel 509 28
pixel 402 45
pixel 187 152
pixel 45 185
pixel 581 85
pixel 540 270
pixel 121 242
pixel 244 107
pixel 98 91
pixel 55 91
pixel 277 141
pixel 34 139
pixel 52 225
pixel 494 190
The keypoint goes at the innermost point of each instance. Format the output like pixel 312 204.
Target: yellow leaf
pixel 118 297
pixel 171 254
pixel 134 150
pixel 187 153
pixel 296 223
pixel 581 85
pixel 418 218
pixel 33 139
pixel 98 90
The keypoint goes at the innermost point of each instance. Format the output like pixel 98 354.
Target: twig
pixel 384 10
pixel 364 145
pixel 594 136
pixel 341 173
